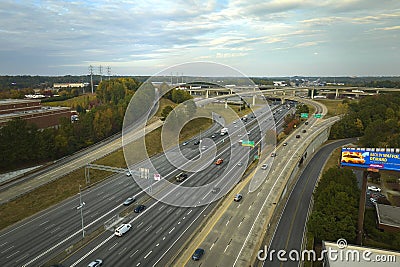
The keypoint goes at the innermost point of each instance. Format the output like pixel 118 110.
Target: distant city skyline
pixel 259 38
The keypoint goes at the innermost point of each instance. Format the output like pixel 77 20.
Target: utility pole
pixel 81 208
pixel 91 76
pixel 109 72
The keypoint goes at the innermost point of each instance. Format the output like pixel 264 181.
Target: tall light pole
pixel 91 76
pixel 81 208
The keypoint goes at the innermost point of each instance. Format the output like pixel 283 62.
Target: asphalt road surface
pixel 224 243
pixel 39 238
pixel 290 230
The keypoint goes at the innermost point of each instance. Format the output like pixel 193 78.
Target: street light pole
pixel 81 208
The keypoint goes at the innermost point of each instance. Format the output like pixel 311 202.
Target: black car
pixel 197 142
pixel 298 136
pixel 306 123
pixel 198 254
pixel 303 131
pixel 139 208
pixel 181 177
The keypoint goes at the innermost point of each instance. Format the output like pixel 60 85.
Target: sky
pixel 267 38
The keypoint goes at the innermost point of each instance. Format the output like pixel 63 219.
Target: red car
pixel 219 161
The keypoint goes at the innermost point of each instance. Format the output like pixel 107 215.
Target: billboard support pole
pixel 361 208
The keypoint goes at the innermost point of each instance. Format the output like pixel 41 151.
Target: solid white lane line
pixel 9 256
pixel 7 249
pixel 171 230
pixel 133 253
pixel 122 251
pixel 148 228
pixel 23 257
pixel 43 223
pixel 113 246
pixel 148 254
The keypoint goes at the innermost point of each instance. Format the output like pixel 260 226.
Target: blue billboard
pixel 371 158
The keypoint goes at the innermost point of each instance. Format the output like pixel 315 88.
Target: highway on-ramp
pixel 291 226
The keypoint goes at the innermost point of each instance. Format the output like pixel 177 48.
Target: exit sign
pixel 318 115
pixel 303 115
pixel 248 143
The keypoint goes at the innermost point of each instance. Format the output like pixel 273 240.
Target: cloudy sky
pixel 259 38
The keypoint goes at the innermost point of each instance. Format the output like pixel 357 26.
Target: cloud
pixel 392 28
pixel 152 33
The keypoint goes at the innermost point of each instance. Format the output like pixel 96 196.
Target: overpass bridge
pixel 212 90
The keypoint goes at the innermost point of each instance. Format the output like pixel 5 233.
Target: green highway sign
pixel 303 115
pixel 248 143
pixel 318 115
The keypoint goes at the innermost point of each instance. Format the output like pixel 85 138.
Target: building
pixel 280 83
pixel 68 85
pixel 388 218
pixel 356 256
pixel 33 112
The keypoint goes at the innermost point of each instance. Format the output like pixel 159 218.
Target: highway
pixel 55 230
pixel 291 226
pixel 230 237
pixel 158 232
pixel 64 166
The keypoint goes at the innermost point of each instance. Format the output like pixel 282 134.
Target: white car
pixel 122 229
pixel 96 263
pixel 374 188
pixel 264 166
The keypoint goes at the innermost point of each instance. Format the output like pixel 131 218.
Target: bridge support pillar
pixel 226 103
pixel 282 100
pixel 254 100
pixel 206 93
pixel 337 93
pixel 312 93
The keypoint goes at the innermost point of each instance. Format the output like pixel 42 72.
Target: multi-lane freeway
pixel 156 232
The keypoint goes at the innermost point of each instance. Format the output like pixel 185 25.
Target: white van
pixel 122 229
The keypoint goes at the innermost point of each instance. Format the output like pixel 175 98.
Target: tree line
pixel 375 119
pixel 335 209
pixel 23 144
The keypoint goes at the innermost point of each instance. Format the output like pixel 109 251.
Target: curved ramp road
pixel 290 230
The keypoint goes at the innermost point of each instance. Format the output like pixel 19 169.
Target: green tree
pixel 165 112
